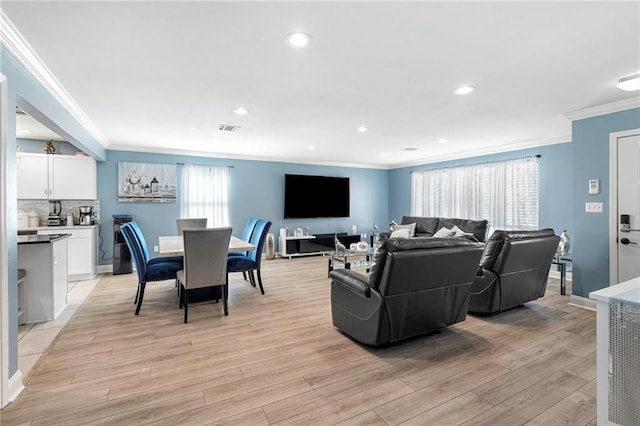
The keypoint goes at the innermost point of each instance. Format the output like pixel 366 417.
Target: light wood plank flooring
pixel 277 359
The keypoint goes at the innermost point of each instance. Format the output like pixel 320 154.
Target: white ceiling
pixel 161 76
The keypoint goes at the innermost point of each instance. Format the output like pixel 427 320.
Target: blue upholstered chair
pixel 251 261
pixel 156 269
pixel 246 236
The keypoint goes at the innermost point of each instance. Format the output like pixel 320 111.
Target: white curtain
pixel 205 193
pixel 503 192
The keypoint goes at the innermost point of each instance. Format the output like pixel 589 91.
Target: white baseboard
pixel 582 302
pixel 105 269
pixel 15 386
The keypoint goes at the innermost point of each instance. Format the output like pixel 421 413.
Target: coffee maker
pixel 54 213
pixel 85 215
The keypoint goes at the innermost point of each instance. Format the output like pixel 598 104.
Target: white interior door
pixel 628 207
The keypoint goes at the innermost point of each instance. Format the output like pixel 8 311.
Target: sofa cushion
pixel 424 225
pixel 476 227
pixel 411 227
pixel 444 233
pixel 401 233
pixel 496 241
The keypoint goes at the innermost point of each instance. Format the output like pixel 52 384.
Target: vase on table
pixel 564 244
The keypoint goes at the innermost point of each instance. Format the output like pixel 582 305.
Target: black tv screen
pixel 315 196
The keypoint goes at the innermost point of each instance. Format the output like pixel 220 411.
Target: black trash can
pixel 121 253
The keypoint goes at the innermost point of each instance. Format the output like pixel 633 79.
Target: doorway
pixel 624 202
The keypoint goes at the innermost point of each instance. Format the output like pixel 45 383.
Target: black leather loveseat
pixel 427 226
pixel 416 286
pixel 514 270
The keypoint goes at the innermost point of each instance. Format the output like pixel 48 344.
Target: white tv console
pixel 308 245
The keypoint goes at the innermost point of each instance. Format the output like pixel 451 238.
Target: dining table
pixel 173 245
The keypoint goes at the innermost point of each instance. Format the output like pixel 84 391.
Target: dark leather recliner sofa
pixel 427 226
pixel 514 270
pixel 416 286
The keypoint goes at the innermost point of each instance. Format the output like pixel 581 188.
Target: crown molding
pixel 157 150
pixel 20 48
pixel 486 151
pixel 609 108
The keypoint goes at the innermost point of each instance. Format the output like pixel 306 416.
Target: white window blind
pixel 205 193
pixel 503 192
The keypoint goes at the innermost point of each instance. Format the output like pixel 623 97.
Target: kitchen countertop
pixel 40 228
pixel 40 239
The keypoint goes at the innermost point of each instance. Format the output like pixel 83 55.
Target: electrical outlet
pixel 155 249
pixel 593 207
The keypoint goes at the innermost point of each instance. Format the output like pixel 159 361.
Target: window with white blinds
pixel 205 193
pixel 503 192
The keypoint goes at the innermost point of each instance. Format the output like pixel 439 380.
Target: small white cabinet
pixel 82 246
pixel 32 176
pixel 56 177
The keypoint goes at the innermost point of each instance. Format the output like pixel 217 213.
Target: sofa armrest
pixel 352 281
pixel 483 281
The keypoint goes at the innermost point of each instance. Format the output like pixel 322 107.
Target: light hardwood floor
pixel 277 359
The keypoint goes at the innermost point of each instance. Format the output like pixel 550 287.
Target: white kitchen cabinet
pixel 46 279
pixel 82 246
pixel 32 176
pixel 56 177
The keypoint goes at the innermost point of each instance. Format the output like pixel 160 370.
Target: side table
pixel 561 261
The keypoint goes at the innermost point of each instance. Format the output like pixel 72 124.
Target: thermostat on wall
pixel 594 186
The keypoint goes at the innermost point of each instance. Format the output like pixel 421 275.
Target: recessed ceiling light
pixel 443 140
pixel 464 90
pixel 298 39
pixel 363 129
pixel 312 148
pixel 629 83
pixel 241 111
pixel 383 154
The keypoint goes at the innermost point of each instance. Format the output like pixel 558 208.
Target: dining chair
pixel 148 270
pixel 205 263
pixel 251 261
pixel 193 223
pixel 246 236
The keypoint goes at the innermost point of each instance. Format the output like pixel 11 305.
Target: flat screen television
pixel 308 196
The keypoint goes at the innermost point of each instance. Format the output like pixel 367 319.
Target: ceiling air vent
pixel 410 149
pixel 228 128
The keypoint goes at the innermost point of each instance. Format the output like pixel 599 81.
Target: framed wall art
pixel 146 183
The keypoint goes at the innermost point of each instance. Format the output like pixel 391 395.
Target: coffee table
pixel 351 259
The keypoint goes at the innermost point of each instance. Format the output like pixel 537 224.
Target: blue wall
pixel 554 191
pixel 257 190
pixel 591 161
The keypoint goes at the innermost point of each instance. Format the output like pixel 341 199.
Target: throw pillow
pixel 411 227
pixel 401 233
pixel 460 233
pixel 444 233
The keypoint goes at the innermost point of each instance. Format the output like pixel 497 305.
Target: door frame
pixel 613 201
pixel 4 275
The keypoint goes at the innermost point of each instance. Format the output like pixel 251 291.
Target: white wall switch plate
pixel 155 249
pixel 593 207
